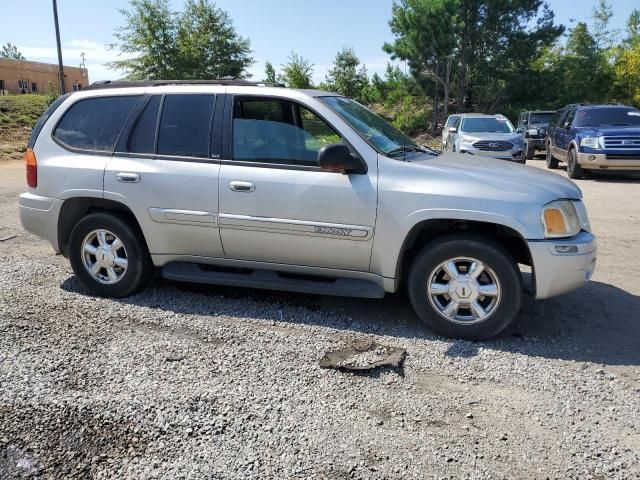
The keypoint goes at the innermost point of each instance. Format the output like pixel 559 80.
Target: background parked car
pixel 594 137
pixel 533 127
pixel 451 121
pixel 486 135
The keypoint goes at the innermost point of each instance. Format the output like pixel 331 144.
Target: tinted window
pixel 143 138
pixel 43 119
pixel 275 131
pixel 185 124
pixel 541 117
pixel 95 123
pixel 486 124
pixel 607 116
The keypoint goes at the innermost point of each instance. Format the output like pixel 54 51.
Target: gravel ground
pixel 185 381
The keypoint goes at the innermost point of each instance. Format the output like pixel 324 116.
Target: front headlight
pixel 560 219
pixel 592 142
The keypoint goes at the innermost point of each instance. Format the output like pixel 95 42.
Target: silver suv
pixel 228 182
pixel 487 136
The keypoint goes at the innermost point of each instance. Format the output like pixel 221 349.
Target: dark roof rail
pixel 159 83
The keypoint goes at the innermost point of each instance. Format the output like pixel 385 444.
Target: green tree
pixel 199 43
pixel 345 77
pixel 269 74
pixel 627 63
pixel 147 41
pixel 11 51
pixel 603 35
pixel 425 35
pixel 297 72
pixel 208 45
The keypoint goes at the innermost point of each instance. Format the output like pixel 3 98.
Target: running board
pixel 272 280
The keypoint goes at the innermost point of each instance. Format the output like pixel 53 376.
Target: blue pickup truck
pixel 591 137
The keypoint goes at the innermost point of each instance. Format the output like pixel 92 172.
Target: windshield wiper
pixel 403 149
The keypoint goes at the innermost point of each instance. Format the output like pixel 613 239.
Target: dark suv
pixel 594 137
pixel 533 127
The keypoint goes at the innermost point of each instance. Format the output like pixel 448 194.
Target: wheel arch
pixel 427 231
pixel 74 209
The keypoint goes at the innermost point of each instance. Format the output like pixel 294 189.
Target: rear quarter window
pixel 95 123
pixel 43 119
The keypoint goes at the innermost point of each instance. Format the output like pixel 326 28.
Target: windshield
pixel 486 124
pixel 606 116
pixel 541 117
pixel 377 131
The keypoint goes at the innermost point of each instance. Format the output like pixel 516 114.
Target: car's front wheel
pixel 574 170
pixel 552 162
pixel 530 151
pixel 108 256
pixel 465 287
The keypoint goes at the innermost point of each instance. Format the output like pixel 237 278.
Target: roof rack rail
pixel 100 84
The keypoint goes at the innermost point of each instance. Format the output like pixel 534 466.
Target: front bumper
pixel 514 155
pixel 536 142
pixel 562 265
pixel 39 215
pixel 609 161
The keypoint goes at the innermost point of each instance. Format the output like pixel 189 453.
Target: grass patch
pixel 18 115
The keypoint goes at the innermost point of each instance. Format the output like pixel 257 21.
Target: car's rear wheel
pixel 552 162
pixel 108 257
pixel 574 170
pixel 465 287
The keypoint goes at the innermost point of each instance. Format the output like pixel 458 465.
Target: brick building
pixel 22 76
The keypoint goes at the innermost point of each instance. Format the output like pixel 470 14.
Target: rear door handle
pixel 238 186
pixel 128 177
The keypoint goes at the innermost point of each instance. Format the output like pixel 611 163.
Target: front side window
pixel 278 131
pixel 486 124
pixel 95 123
pixel 185 124
pixel 452 120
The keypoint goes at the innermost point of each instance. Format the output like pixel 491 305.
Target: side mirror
pixel 453 130
pixel 519 130
pixel 337 157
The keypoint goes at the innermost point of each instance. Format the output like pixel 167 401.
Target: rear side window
pixel 143 138
pixel 185 125
pixel 95 123
pixel 43 119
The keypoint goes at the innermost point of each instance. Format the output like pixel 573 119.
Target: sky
pixel 314 29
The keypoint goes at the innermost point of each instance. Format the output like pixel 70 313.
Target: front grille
pixel 631 142
pixel 493 145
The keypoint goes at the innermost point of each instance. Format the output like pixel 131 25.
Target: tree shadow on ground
pixel 599 323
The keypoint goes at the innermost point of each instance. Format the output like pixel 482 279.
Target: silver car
pixel 487 136
pixel 234 183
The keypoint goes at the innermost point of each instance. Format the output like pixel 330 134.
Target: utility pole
pixel 60 67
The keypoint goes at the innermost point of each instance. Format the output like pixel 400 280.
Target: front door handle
pixel 128 177
pixel 238 186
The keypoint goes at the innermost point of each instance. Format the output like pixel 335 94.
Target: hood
pixel 517 181
pixel 475 136
pixel 609 130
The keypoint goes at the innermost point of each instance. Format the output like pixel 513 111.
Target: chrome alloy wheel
pixel 104 256
pixel 464 290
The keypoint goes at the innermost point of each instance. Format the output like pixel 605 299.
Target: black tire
pixel 552 162
pixel 492 255
pixel 139 269
pixel 574 170
pixel 530 151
